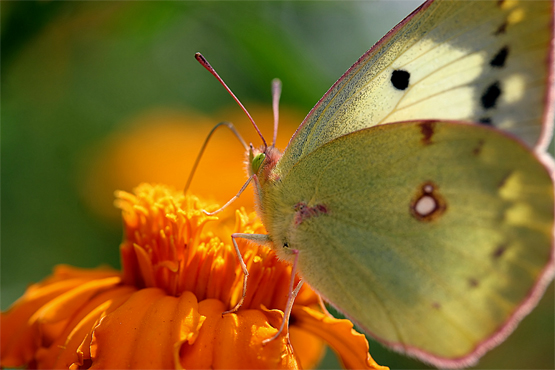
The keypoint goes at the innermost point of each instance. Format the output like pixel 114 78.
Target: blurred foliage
pixel 74 74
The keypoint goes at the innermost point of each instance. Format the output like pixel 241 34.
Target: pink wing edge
pixel 521 311
pixel 549 114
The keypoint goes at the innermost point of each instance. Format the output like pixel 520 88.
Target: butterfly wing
pixel 478 61
pixel 435 237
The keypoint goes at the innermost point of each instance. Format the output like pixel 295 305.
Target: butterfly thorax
pixel 262 162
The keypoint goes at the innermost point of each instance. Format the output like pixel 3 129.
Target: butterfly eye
pixel 257 162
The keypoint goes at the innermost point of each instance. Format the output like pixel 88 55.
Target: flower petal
pixel 64 350
pixel 308 347
pixel 234 341
pixel 20 324
pixel 199 353
pixel 350 346
pixel 144 330
pixel 52 318
pixel 246 330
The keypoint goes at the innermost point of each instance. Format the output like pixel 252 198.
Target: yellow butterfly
pixel 404 198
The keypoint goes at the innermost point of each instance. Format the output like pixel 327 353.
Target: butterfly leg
pixel 236 196
pixel 257 238
pixel 290 301
pixel 323 306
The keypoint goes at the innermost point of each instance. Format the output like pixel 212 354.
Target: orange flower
pixel 164 310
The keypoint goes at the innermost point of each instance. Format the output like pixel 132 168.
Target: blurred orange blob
pixel 161 147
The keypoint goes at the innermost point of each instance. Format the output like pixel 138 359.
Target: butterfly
pixel 417 197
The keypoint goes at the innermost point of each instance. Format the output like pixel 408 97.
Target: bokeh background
pixel 99 96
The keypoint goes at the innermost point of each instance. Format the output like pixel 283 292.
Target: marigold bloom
pixel 164 310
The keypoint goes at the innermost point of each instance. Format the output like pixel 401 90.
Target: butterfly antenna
pixel 276 93
pixel 202 60
pixel 230 126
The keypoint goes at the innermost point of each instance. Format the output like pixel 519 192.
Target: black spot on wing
pixel 490 96
pixel 500 58
pixel 400 79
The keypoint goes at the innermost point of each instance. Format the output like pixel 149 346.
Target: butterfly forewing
pixel 488 62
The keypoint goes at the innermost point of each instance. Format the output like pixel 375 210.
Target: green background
pixel 73 72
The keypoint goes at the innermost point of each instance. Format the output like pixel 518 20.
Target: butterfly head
pixel 261 161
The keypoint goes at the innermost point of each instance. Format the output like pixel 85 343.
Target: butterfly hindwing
pixel 435 237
